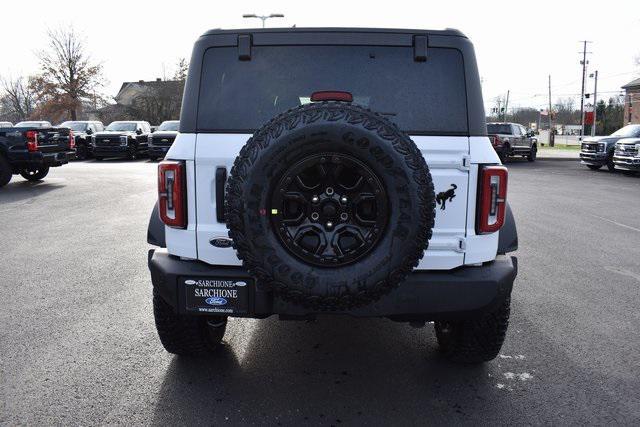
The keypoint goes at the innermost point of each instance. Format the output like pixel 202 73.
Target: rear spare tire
pixel 330 206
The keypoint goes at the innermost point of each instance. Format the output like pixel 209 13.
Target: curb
pixel 566 159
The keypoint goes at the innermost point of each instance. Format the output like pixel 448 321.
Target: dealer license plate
pixel 217 295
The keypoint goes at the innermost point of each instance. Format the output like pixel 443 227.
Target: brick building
pixel 632 102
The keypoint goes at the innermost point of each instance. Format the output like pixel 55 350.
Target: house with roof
pixel 632 102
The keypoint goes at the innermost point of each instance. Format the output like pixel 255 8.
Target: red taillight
pixel 72 140
pixel 495 140
pixel 331 95
pixel 493 199
pixel 172 194
pixel 32 140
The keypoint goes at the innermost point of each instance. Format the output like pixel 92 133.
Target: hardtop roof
pixel 445 32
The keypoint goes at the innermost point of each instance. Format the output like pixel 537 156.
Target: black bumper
pixel 425 295
pixel 593 159
pixel 155 151
pixel 112 151
pixel 25 160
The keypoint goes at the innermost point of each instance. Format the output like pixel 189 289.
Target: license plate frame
pixel 217 295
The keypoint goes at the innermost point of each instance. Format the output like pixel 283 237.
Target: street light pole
pixel 595 103
pixel 263 18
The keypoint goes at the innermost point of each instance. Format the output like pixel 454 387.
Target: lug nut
pixel 329 224
pixel 315 199
pixel 343 199
pixel 315 216
pixel 344 216
pixel 329 191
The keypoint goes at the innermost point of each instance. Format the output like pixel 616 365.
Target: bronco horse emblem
pixel 443 196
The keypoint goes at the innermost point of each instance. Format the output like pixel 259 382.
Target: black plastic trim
pixel 221 180
pixel 244 47
pixel 155 231
pixel 508 237
pixel 420 48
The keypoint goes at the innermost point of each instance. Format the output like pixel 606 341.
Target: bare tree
pixel 68 76
pixel 17 102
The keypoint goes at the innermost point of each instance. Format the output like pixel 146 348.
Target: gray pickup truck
pixel 512 139
pixel 596 152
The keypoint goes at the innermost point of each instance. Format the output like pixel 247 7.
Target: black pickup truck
pixel 31 151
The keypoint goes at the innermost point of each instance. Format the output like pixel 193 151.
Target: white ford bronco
pixel 331 171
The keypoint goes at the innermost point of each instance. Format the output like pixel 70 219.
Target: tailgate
pixel 447 158
pixel 53 140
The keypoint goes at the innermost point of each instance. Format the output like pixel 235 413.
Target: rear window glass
pixel 499 128
pixel 420 97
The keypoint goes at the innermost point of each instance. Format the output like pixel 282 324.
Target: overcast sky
pixel 517 43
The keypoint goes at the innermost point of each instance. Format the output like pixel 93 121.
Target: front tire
pixel 610 165
pixel 186 335
pixel 35 174
pixel 474 340
pixel 533 153
pixel 594 167
pixel 132 152
pixel 5 171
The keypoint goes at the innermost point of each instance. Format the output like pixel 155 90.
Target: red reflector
pixel 72 140
pixel 32 140
pixel 172 193
pixel 496 140
pixel 492 202
pixel 331 95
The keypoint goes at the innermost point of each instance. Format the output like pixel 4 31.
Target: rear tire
pixel 5 171
pixel 36 174
pixel 594 167
pixel 474 340
pixel 186 335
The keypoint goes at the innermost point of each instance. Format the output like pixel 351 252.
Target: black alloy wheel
pixel 333 209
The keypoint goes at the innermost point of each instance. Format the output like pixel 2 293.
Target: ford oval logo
pixel 241 283
pixel 216 301
pixel 190 282
pixel 221 242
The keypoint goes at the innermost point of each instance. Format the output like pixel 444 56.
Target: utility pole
pixel 551 137
pixel 506 105
pixel 595 103
pixel 499 102
pixel 584 74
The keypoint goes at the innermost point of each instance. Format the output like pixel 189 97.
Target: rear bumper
pixel 425 295
pixel 26 160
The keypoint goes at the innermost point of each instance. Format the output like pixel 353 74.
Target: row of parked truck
pixel 31 148
pixel 618 151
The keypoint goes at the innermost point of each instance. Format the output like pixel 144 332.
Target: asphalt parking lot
pixel 78 344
